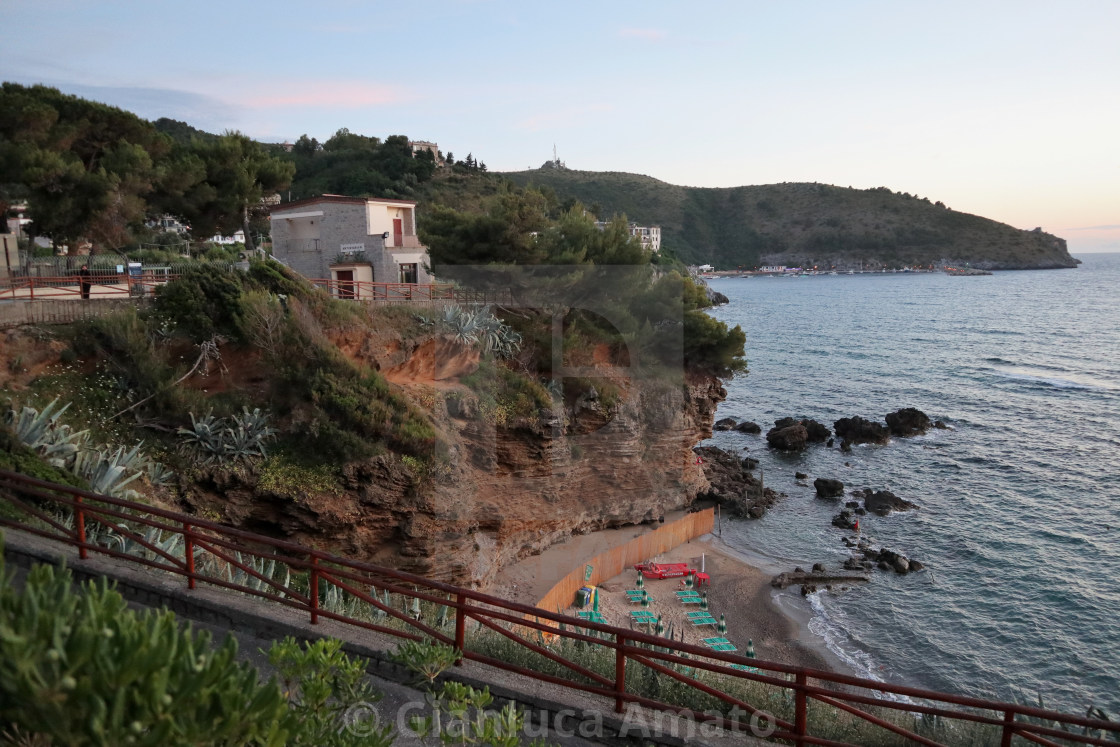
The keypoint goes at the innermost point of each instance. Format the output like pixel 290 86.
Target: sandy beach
pixel 738 590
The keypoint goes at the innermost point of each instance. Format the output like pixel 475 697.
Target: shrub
pixel 82 668
pixel 202 302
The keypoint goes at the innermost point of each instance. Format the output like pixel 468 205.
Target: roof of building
pixel 336 199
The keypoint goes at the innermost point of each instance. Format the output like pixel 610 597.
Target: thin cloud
pixel 647 34
pixel 336 95
pixel 1115 227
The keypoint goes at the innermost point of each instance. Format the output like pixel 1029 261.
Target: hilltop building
pixel 350 239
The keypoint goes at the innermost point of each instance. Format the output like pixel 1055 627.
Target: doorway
pixel 345 284
pixel 409 273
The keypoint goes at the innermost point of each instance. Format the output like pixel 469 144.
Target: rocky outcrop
pixel 725 424
pixel 882 502
pixel 908 422
pixel 732 485
pixel 789 438
pixel 748 427
pixel 857 430
pixel 828 488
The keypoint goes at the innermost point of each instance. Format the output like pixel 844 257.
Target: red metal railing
pixel 107 285
pixel 859 698
pixel 102 284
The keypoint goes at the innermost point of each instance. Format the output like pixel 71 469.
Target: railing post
pixel 460 627
pixel 801 709
pixel 1008 728
pixel 80 524
pixel 619 672
pixel 314 595
pixel 188 553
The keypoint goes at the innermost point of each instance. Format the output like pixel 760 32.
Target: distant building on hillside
pixel 650 236
pixel 348 239
pixel 419 146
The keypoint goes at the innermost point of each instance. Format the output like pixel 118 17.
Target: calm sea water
pixel 1019 524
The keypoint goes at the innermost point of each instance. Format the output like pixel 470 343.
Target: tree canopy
pixel 94 172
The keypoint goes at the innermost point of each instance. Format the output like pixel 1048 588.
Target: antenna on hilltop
pixel 554 156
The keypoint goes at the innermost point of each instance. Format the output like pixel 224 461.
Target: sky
pixel 1010 110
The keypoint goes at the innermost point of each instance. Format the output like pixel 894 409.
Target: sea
pixel 1019 518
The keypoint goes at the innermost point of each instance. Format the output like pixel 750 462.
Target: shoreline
pixel 739 590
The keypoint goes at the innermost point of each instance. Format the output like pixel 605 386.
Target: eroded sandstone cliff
pixel 502 489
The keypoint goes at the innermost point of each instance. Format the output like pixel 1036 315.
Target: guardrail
pixel 109 526
pixel 104 285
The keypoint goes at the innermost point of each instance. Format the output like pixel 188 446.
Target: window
pixel 408 273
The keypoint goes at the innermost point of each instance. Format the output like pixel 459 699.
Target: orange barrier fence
pixel 614 561
pixel 360 595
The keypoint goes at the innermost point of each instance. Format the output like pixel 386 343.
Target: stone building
pixel 350 239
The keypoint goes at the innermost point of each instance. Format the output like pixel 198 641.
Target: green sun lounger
pixel 715 640
pixel 592 616
pixel 698 621
pixel 723 647
pixel 700 613
pixel 687 594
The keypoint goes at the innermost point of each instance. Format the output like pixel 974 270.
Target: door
pixel 408 273
pixel 398 232
pixel 345 283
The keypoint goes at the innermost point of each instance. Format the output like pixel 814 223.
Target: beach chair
pixel 592 616
pixel 691 600
pixel 689 593
pixel 745 668
pixel 643 617
pixel 699 613
pixel 715 640
pixel 723 647
pixel 701 621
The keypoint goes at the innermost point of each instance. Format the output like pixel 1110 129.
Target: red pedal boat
pixel 663 570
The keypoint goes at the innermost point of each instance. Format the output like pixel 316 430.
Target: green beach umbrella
pixel 688 580
pixel 722 627
pixel 416 607
pixel 750 648
pixel 704 601
pixel 660 626
pixel 641 580
pixel 645 600
pixel 595 603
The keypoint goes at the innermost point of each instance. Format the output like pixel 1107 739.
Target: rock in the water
pixel 818 567
pixel 725 424
pixel 818 432
pixel 800 476
pixel 940 425
pixel 789 438
pixel 882 502
pixel 859 430
pixel 845 519
pixel 831 441
pixel 828 488
pixel 908 422
pixel 749 463
pixel 846 446
pixel 748 427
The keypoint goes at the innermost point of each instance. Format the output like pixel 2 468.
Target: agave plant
pixel 217 441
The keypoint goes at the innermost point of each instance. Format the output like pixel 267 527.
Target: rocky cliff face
pixel 504 491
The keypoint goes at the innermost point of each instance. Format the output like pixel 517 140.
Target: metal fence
pixel 614 561
pixel 246 562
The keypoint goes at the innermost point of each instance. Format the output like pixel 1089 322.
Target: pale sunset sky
pixel 1010 110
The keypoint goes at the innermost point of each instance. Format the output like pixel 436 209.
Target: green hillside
pixel 804 224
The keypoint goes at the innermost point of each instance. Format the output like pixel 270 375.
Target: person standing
pixel 84 281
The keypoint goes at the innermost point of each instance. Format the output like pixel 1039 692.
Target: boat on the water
pixel 965 271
